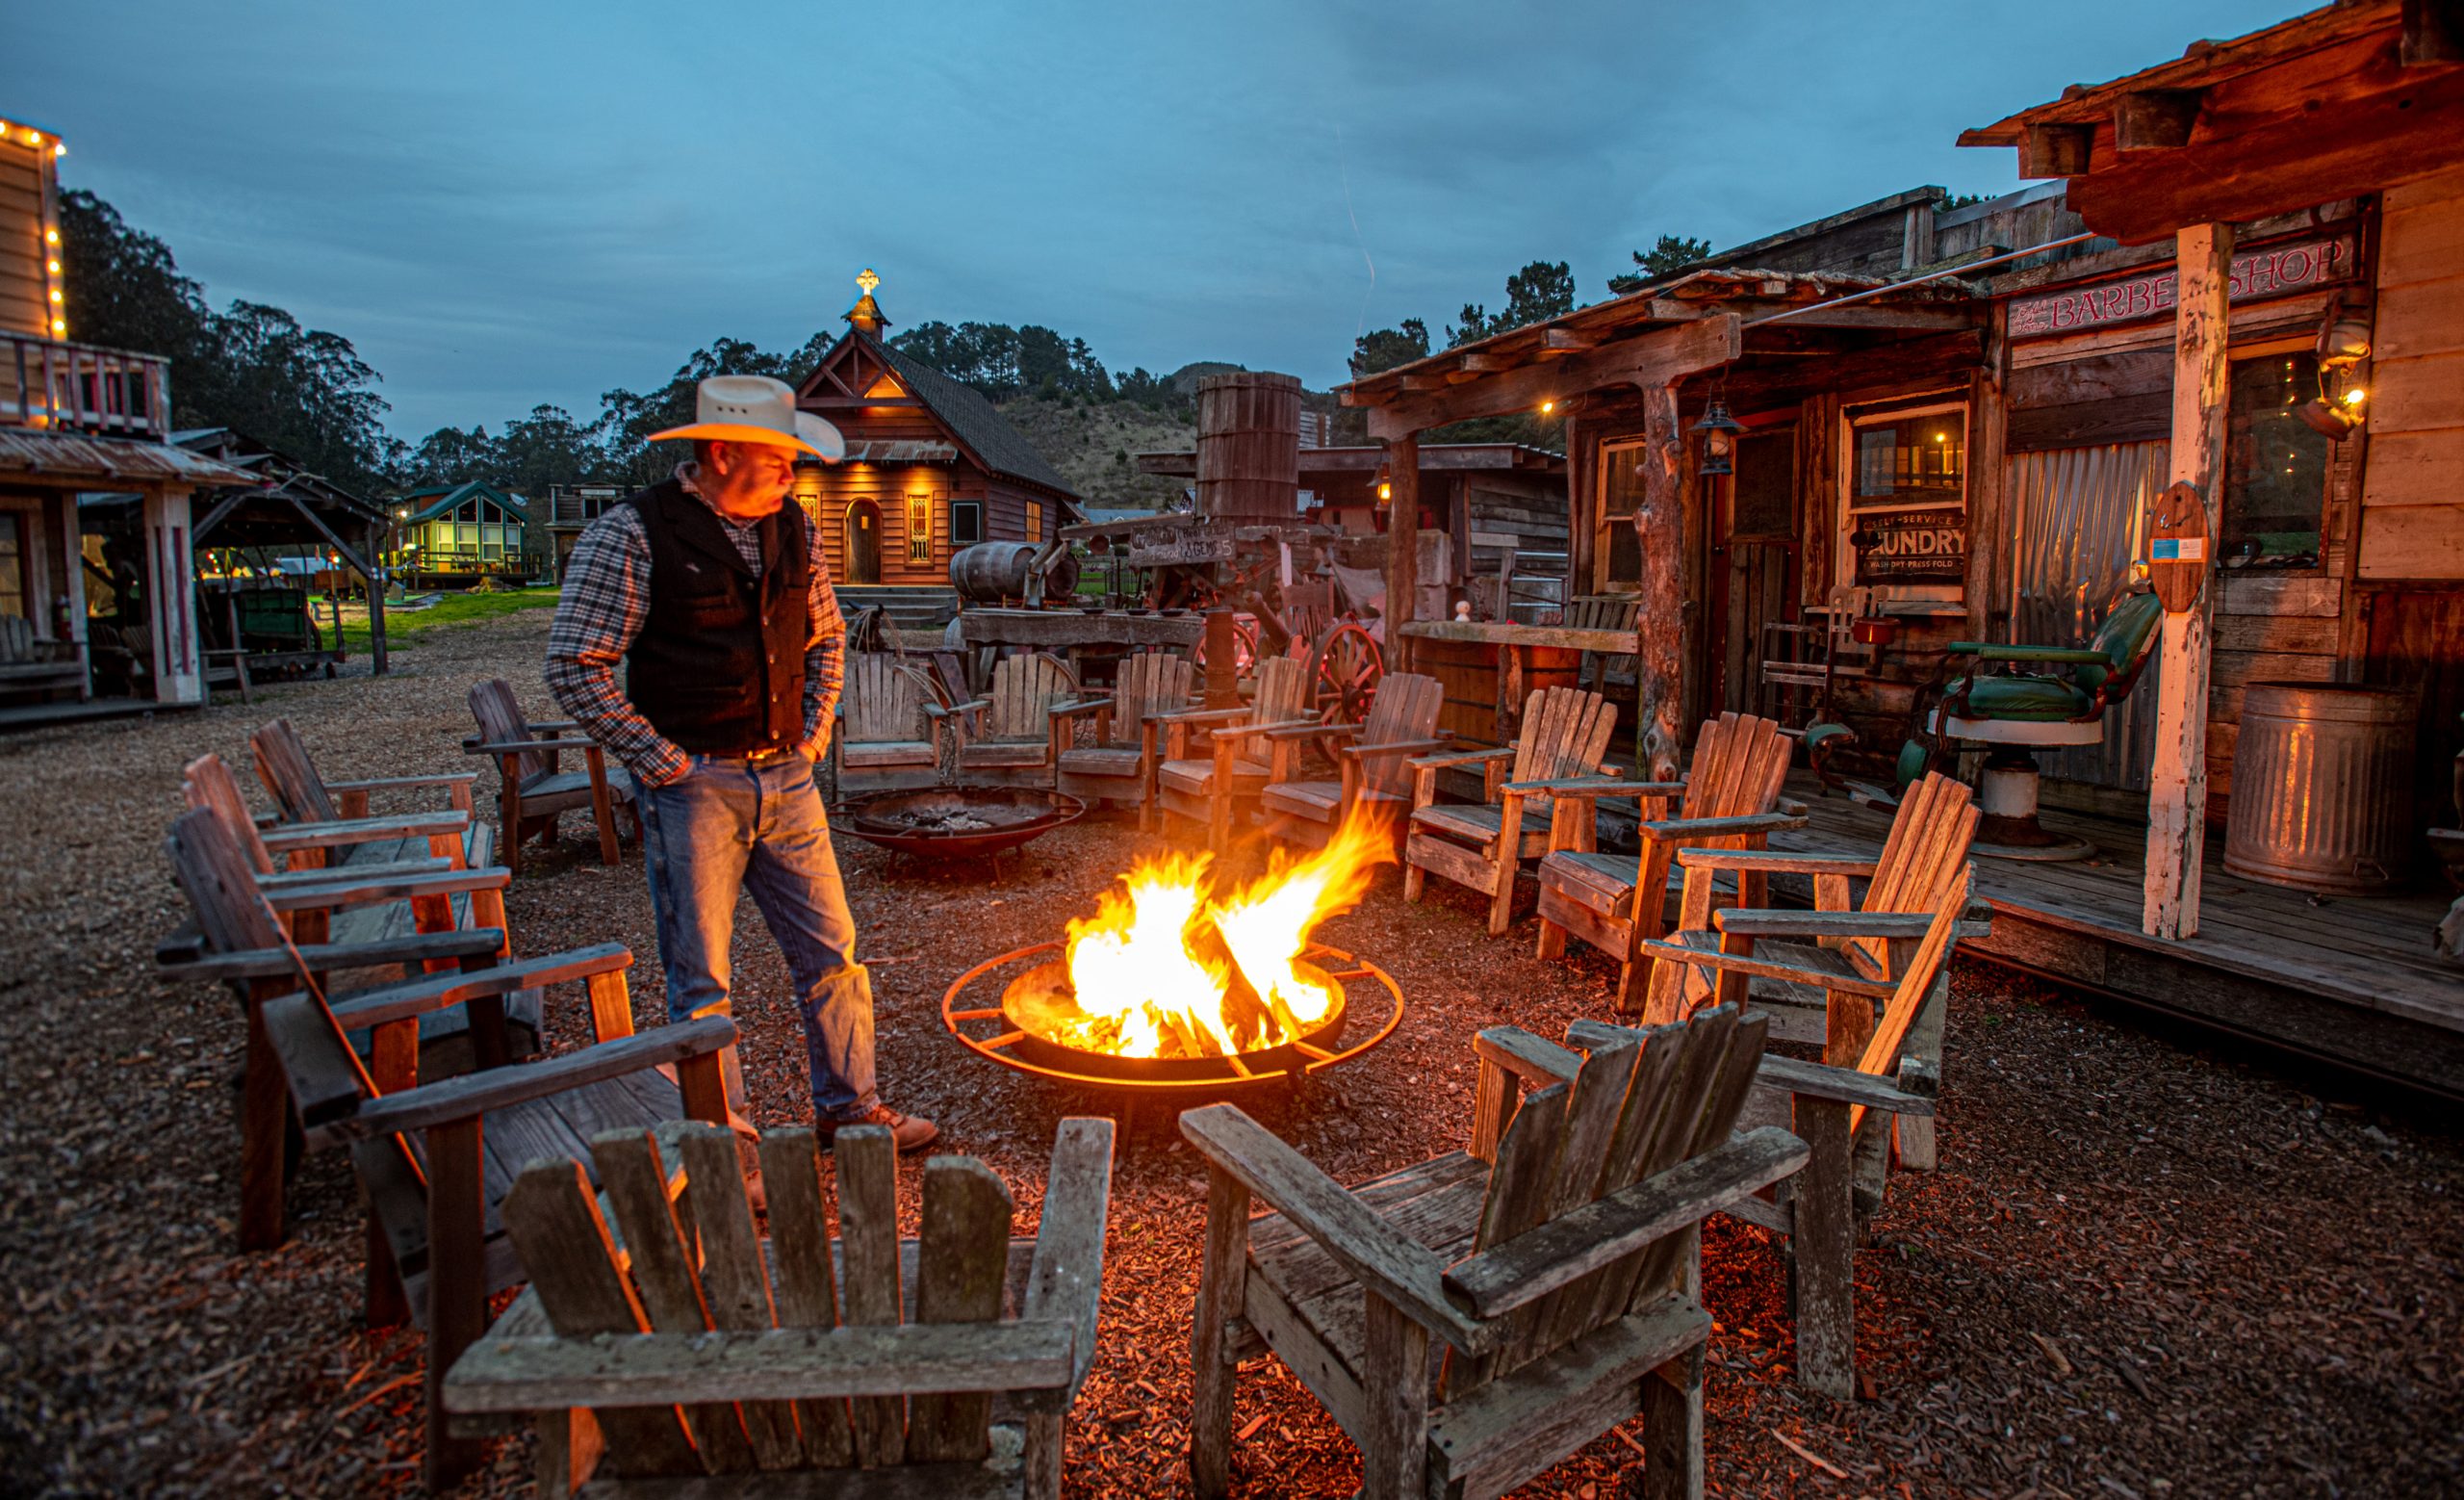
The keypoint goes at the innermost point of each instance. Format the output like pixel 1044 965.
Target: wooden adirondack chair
pixel 885 740
pixel 1553 1261
pixel 1616 902
pixel 797 1363
pixel 532 788
pixel 1306 807
pixel 1565 737
pixel 1119 763
pixel 1005 738
pixel 1234 759
pixel 1598 669
pixel 304 796
pixel 433 1159
pixel 1843 1108
pixel 446 1046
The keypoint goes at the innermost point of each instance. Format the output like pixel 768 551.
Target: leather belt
pixel 757 759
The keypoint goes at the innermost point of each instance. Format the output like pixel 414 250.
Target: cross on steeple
pixel 867 315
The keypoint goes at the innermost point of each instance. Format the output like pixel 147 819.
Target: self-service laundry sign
pixel 1912 547
pixel 2261 272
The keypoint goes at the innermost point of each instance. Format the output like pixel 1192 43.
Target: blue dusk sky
pixel 512 203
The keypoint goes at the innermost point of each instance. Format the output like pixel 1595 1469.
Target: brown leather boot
pixel 912 1132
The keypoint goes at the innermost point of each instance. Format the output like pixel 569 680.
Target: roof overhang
pixel 2348 99
pixel 72 458
pixel 1434 457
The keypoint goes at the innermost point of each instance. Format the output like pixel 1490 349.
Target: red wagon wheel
pixel 1347 664
pixel 1245 647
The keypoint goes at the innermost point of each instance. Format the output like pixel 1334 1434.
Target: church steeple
pixel 867 315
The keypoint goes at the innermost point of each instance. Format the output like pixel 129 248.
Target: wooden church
pixel 932 468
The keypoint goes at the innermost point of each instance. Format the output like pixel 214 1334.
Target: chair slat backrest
pixel 1282 697
pixel 207 783
pixel 1405 709
pixel 221 885
pixel 1924 855
pixel 284 767
pixel 502 722
pixel 1019 702
pixel 1642 1104
pixel 1881 1055
pixel 1151 682
pixel 1565 735
pixel 1740 763
pixel 883 699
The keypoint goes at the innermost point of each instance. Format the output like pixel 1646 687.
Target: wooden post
pixel 1222 662
pixel 1402 545
pixel 2177 789
pixel 1822 1238
pixel 375 577
pixel 1659 522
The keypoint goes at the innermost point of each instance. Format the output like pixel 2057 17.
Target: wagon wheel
pixel 1245 648
pixel 1346 664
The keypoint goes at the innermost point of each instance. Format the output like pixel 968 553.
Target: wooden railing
pixel 82 388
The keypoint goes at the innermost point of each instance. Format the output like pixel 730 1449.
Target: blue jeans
pixel 728 827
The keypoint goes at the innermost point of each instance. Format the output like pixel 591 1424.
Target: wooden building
pixel 1978 439
pixel 454 535
pixel 571 509
pixel 930 468
pixel 76 419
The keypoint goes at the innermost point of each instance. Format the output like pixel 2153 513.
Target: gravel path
pixel 2141 1271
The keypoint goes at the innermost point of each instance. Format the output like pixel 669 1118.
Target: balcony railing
pixel 82 388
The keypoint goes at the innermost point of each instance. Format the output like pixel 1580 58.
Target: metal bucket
pixel 2323 786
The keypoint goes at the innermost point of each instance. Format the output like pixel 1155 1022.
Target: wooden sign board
pixel 1164 549
pixel 2258 272
pixel 2177 549
pixel 1912 547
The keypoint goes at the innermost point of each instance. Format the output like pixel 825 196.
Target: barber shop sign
pixel 2262 271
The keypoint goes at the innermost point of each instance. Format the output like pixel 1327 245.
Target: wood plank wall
pixel 24 177
pixel 2412 507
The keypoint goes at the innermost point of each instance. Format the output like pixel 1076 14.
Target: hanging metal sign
pixel 2177 550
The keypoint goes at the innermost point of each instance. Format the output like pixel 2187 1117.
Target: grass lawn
pixel 403 628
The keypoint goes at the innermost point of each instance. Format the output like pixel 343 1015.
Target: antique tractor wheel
pixel 1347 665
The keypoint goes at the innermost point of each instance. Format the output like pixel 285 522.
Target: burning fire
pixel 1167 967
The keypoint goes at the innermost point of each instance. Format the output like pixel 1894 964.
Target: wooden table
pixel 1072 632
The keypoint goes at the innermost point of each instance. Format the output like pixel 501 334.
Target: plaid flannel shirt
pixel 607 597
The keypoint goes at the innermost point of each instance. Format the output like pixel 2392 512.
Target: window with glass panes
pixel 919 527
pixel 13 564
pixel 2275 466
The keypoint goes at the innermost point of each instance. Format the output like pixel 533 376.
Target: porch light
pixel 2331 420
pixel 1548 408
pixel 1383 485
pixel 1719 433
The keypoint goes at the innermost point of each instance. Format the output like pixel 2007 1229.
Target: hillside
pixel 1093 446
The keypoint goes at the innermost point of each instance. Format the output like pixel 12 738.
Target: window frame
pixel 1847 513
pixel 1600 582
pixel 973 508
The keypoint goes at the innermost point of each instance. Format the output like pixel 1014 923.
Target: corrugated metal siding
pixel 2078 515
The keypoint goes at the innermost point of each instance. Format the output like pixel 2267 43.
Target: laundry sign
pixel 2262 271
pixel 1912 547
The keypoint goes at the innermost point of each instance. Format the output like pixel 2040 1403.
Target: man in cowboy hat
pixel 712 588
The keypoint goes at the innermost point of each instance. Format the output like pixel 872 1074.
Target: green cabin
pixel 454 535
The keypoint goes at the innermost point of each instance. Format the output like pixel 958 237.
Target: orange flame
pixel 1153 971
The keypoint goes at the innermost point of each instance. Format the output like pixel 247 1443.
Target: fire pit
pixel 1183 981
pixel 952 822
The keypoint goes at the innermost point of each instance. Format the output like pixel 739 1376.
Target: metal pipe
pixel 1930 275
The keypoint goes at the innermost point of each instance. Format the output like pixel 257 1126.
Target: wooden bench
pixel 32 666
pixel 1472 1320
pixel 663 1340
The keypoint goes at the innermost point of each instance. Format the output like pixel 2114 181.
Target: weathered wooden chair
pixel 36 666
pixel 1553 1262
pixel 1233 758
pixel 1616 902
pixel 302 795
pixel 885 740
pixel 729 1355
pixel 433 1160
pixel 1598 670
pixel 1304 805
pixel 1844 1107
pixel 532 788
pixel 1116 765
pixel 1005 738
pixel 1484 844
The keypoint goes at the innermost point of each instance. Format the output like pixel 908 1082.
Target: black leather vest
pixel 719 667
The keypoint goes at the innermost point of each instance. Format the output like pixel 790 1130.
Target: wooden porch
pixel 2350 981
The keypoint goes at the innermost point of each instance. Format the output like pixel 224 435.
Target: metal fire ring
pixel 1236 1075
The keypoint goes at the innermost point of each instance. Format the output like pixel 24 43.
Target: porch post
pixel 171 577
pixel 1402 545
pixel 375 571
pixel 1660 525
pixel 72 584
pixel 2177 791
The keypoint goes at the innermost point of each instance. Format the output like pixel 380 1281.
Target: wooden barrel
pixel 1249 445
pixel 989 571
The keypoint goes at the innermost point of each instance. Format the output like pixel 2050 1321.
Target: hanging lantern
pixel 1719 433
pixel 1382 487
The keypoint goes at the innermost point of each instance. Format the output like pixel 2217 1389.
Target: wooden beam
pixel 1654 358
pixel 2177 788
pixel 1932 318
pixel 1659 520
pixel 1462 377
pixel 1424 383
pixel 1566 341
pixel 1402 544
pixel 2055 150
pixel 2156 120
pixel 1485 364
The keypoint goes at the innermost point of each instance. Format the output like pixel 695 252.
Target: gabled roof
pixel 974 422
pixel 436 499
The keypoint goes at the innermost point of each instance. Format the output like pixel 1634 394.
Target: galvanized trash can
pixel 2322 787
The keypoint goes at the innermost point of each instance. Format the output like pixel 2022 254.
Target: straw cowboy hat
pixel 758 409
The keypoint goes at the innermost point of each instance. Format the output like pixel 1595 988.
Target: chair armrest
pixel 476 1094
pixel 1066 1280
pixel 394 783
pixel 1761 923
pixel 437 992
pixel 325 875
pixel 1534 1059
pixel 285 963
pixel 1434 762
pixel 1606 1230
pixel 350 890
pixel 1392 748
pixel 553 726
pixel 1079 707
pixel 1205 716
pixel 1580 785
pixel 1669 830
pixel 526 746
pixel 1306 731
pixel 1988 651
pixel 971 706
pixel 1769 861
pixel 1840 1085
pixel 284 837
pixel 1389 1262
